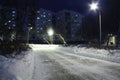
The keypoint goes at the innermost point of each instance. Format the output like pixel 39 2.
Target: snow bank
pixel 109 55
pixel 18 68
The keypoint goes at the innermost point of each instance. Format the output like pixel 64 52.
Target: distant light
pixel 9 27
pixel 44 16
pixel 50 32
pixel 38 11
pixel 41 28
pixel 49 20
pixel 29 24
pixel 38 31
pixel 31 28
pixel 13 12
pixel 44 13
pixel 38 17
pixel 13 15
pixel 5 24
pixel 9 21
pixel 94 6
pixel 76 15
pixel 14 25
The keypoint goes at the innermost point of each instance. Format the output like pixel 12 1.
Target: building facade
pixel 66 23
pixel 8 23
pixel 43 21
pixel 69 24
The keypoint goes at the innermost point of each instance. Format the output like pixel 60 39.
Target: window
pixel 38 11
pixel 9 21
pixel 38 17
pixel 44 16
pixel 13 12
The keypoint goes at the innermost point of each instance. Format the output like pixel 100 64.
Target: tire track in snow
pixel 73 66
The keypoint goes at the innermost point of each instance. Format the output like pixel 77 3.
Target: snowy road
pixel 53 63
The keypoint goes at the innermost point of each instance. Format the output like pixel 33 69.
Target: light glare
pixel 37 47
pixel 50 32
pixel 94 6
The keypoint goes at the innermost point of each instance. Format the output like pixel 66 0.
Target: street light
pixel 30 28
pixel 50 34
pixel 61 37
pixel 94 6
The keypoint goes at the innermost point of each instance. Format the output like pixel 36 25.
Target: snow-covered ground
pixel 54 62
pixel 103 54
pixel 19 68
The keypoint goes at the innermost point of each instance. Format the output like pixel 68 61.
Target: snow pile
pixel 22 67
pixel 109 55
pixel 18 68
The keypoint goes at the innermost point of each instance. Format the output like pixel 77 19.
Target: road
pixel 58 64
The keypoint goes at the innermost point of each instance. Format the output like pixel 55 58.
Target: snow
pixel 92 72
pixel 41 70
pixel 19 68
pixel 103 54
pixel 55 62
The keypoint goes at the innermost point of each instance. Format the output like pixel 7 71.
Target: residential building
pixel 69 25
pixel 8 22
pixel 44 20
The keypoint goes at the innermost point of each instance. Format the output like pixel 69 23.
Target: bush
pixel 7 48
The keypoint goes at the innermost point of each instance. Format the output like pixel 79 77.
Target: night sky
pixel 110 9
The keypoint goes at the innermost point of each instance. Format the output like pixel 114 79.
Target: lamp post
pixel 30 28
pixel 94 7
pixel 61 37
pixel 50 34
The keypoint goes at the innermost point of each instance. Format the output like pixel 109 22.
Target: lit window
pixel 14 25
pixel 49 20
pixel 44 16
pixel 38 17
pixel 5 24
pixel 9 21
pixel 41 15
pixel 41 28
pixel 38 11
pixel 9 27
pixel 29 24
pixel 13 15
pixel 13 11
pixel 76 15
